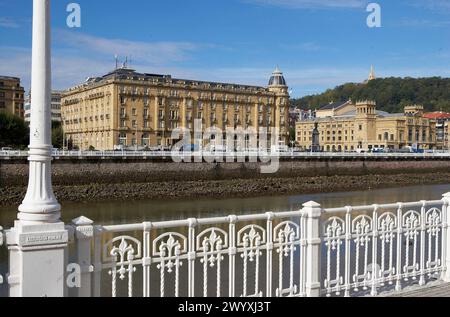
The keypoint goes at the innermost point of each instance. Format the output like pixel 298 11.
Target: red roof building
pixel 438 115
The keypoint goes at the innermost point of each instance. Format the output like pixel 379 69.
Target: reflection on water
pixel 107 213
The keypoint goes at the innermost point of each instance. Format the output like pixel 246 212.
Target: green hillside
pixel 391 94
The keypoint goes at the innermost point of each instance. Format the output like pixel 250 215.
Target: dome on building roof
pixel 277 78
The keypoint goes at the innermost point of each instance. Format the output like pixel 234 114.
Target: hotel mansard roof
pixel 127 74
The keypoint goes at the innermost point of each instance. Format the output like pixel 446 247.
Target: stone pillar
pixel 446 238
pixel 38 241
pixel 84 234
pixel 313 252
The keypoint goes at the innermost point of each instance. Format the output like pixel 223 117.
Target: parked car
pixel 378 150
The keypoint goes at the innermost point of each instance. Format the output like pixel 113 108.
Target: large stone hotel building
pixel 129 109
pixel 348 126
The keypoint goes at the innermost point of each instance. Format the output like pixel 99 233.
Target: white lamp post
pixel 38 241
pixel 40 205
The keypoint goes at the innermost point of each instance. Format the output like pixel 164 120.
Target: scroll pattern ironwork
pixel 242 258
pixel 382 248
pixel 361 250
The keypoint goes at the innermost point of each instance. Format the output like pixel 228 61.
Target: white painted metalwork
pixel 373 247
pixel 360 250
pixel 350 251
pixel 225 242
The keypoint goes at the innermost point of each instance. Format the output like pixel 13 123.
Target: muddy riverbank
pixel 236 188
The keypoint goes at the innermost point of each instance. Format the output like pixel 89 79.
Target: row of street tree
pixel 15 132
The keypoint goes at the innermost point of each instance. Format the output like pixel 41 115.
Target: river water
pixel 117 212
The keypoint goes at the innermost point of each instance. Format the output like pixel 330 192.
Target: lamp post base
pixel 37 246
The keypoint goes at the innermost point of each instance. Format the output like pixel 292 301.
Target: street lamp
pixel 38 242
pixel 40 205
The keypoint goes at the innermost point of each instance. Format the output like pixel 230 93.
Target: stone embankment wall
pixel 81 172
pixel 100 180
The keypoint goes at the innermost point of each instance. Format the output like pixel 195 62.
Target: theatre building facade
pixel 349 126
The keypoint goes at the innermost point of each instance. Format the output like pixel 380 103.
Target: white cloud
pixel 306 47
pixel 8 23
pixel 77 56
pixel 73 66
pixel 407 22
pixel 71 70
pixel 313 4
pixel 154 53
pixel 437 5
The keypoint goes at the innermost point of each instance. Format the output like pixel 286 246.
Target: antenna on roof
pixel 124 64
pixel 116 57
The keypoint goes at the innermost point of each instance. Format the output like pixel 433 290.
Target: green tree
pixel 14 132
pixel 57 135
pixel 391 94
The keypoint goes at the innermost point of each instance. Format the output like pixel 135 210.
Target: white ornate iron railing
pixel 374 247
pixel 350 251
pixel 213 251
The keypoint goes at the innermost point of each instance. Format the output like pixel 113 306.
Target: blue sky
pixel 317 43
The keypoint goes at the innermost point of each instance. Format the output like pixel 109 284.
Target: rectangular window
pixel 123 139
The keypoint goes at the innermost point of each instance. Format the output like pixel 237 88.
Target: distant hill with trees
pixel 391 94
